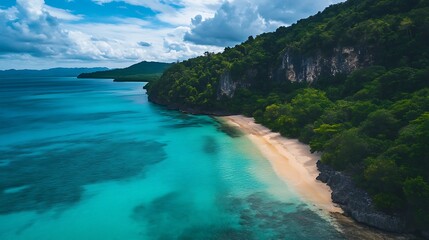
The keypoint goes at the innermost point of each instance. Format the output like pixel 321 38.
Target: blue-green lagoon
pixel 93 159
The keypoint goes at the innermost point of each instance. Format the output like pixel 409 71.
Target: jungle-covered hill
pixel 140 72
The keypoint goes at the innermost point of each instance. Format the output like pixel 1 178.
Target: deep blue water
pixel 93 159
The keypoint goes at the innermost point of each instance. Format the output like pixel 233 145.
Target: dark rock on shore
pixel 352 230
pixel 357 203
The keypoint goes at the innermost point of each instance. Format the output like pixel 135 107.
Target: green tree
pixel 323 134
pixel 380 124
pixel 346 150
pixel 309 105
pixel 356 80
pixel 417 193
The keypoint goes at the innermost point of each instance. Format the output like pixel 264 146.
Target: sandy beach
pixel 291 160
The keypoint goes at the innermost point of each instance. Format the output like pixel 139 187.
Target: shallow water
pixel 93 159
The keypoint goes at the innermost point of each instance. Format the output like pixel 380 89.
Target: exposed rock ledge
pixel 357 203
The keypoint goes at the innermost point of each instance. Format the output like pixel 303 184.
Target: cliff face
pixel 342 60
pixel 296 67
pixel 227 86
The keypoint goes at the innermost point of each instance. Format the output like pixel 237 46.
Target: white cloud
pixel 29 28
pixel 232 23
pixel 174 12
pixel 31 9
pixel 36 30
pixel 235 20
pixel 190 9
pixel 10 13
pixel 101 2
pixel 36 33
pixel 155 5
pixel 62 14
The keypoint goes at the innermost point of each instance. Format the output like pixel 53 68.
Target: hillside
pixel 53 72
pixel 140 72
pixel 351 81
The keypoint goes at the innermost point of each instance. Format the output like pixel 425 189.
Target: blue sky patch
pixel 104 12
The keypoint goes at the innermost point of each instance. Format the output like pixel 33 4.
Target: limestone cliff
pixel 298 67
pixel 342 60
pixel 226 85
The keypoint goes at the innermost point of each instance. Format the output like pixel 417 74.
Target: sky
pixel 40 34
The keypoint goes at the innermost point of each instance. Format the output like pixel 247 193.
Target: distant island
pixel 53 72
pixel 140 72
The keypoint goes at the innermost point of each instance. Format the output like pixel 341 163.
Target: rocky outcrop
pixel 296 67
pixel 226 86
pixel 357 203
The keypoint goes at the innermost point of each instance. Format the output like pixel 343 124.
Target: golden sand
pixel 291 160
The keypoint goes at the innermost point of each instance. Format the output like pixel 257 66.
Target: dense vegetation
pixel 372 123
pixel 140 72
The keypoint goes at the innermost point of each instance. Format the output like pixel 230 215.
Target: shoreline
pixel 291 161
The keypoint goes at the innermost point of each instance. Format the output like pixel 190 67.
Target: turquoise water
pixel 93 159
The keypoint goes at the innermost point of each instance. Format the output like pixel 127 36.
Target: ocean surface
pixel 92 159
